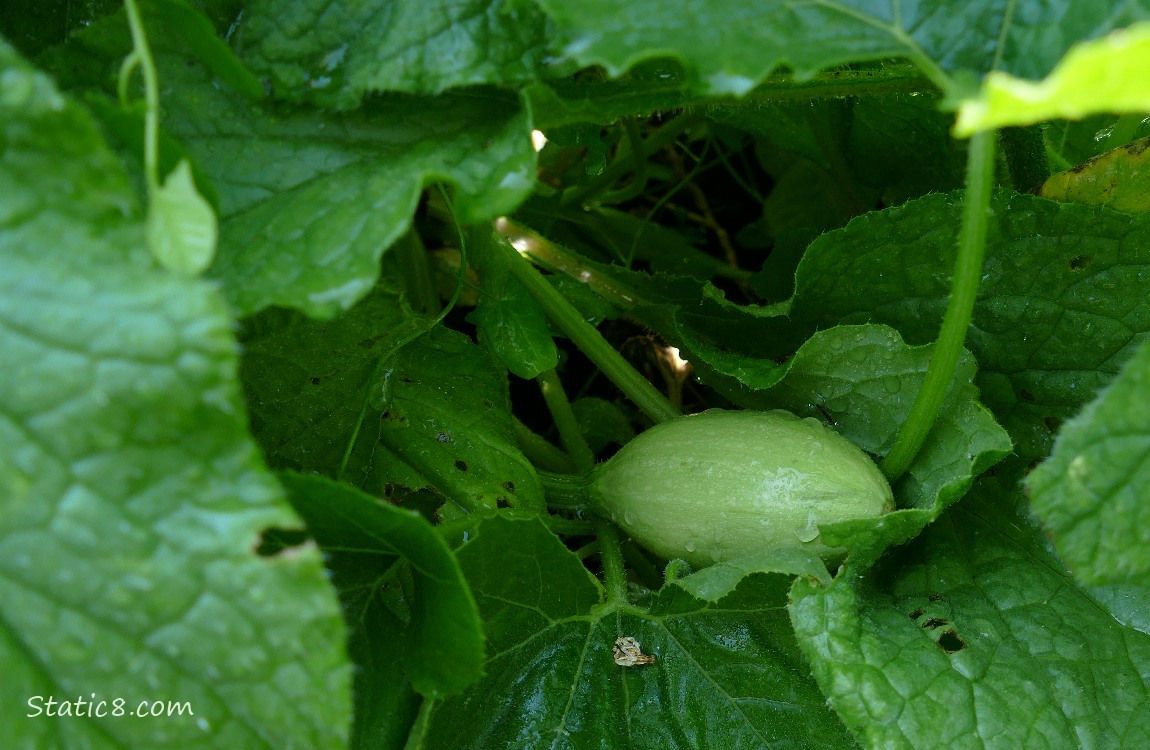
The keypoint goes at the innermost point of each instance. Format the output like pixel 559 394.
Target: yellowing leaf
pixel 182 229
pixel 1119 178
pixel 1103 75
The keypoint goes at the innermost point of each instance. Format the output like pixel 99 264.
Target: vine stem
pixel 959 309
pixel 142 54
pixel 557 258
pixel 637 388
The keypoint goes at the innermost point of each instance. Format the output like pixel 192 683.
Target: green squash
pixel 724 484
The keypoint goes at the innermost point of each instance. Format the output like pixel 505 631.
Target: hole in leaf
pixel 502 502
pixel 314 381
pixel 935 622
pixel 460 464
pixel 275 541
pixel 935 597
pixel 443 437
pixel 1080 262
pixel 917 614
pixel 1026 395
pixel 425 502
pixel 950 641
pixel 1052 423
pixel 509 486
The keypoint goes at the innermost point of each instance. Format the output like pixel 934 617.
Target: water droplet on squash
pixel 808 534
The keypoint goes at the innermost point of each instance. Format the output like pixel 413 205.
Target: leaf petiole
pixel 637 388
pixel 611 555
pixel 565 422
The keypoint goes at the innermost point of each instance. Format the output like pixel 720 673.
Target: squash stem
pixel 565 491
pixel 959 310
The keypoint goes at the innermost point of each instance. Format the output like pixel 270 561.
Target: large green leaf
pixel 442 646
pixel 661 85
pixel 346 398
pixel 331 53
pixel 131 497
pixel 1055 317
pixel 729 47
pixel 307 381
pixel 1091 493
pixel 310 200
pixel 727 675
pixel 975 636
pixel 446 411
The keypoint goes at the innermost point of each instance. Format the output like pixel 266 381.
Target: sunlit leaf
pixel 1103 75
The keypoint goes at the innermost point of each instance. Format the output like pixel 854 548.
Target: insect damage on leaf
pixel 628 652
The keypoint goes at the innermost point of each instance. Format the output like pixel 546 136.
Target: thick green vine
pixel 959 309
